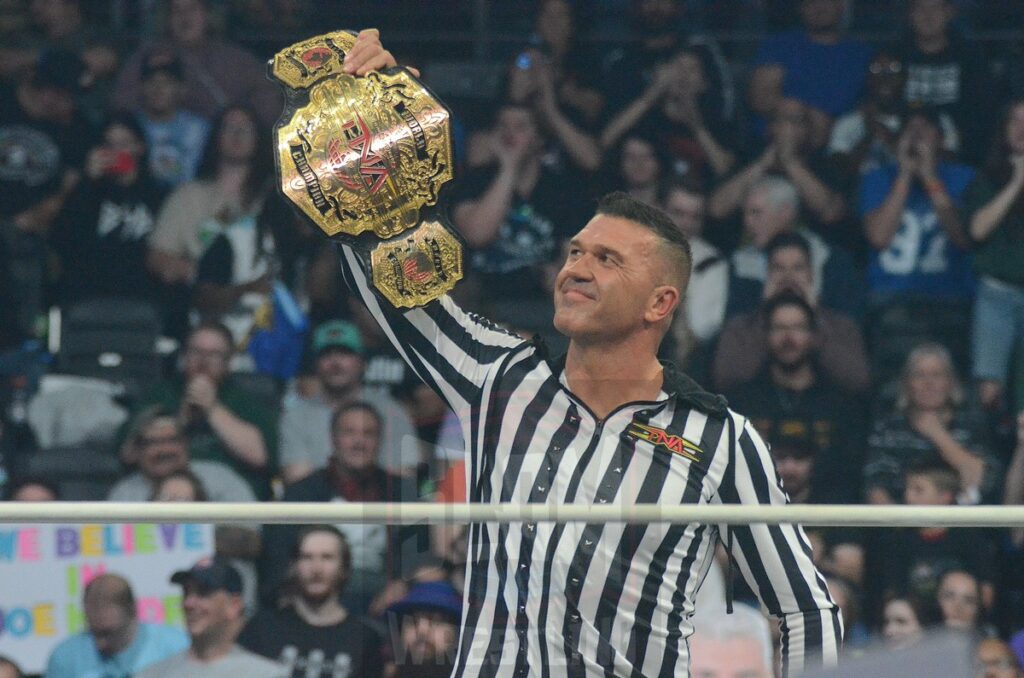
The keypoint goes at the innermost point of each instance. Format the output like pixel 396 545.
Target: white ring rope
pixel 419 513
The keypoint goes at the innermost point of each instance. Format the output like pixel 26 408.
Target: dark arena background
pixel 849 175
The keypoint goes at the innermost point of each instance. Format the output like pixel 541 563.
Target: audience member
pixel 45 142
pixel 1013 491
pixel 911 220
pixel 793 153
pixel 815 64
pixel 993 658
pixel 312 633
pixel 677 109
pixel 214 617
pixel 742 345
pixel 914 559
pixel 866 138
pixel 661 29
pixel 905 620
pixel 994 208
pixel 8 669
pixel 159 448
pixel 959 596
pixel 930 421
pixel 708 288
pixel 217 73
pixel 31 489
pixel 556 35
pixel 388 373
pixel 339 366
pixel 791 398
pixel 222 421
pixel 846 595
pixel 227 199
pixel 538 78
pixel 639 166
pixel 771 208
pixel 61 24
pixel 946 72
pixel 737 645
pixel 116 642
pixel 515 215
pixel 181 485
pixel 176 136
pixel 102 231
pixel 238 239
pixel 352 474
pixel 424 629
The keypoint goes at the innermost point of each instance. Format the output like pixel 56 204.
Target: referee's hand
pixel 369 55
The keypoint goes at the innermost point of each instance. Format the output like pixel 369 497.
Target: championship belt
pixel 365 158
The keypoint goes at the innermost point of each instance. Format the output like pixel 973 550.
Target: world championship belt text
pixel 369 155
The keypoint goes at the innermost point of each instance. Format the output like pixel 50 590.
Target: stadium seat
pixel 80 473
pixel 113 339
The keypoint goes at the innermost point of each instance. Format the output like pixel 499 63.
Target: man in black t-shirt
pixel 946 72
pixel 515 216
pixel 313 634
pixel 792 398
pixel 43 142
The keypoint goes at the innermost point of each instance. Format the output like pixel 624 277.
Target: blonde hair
pixel 929 349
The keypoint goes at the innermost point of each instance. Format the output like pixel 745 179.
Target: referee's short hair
pixel 677 247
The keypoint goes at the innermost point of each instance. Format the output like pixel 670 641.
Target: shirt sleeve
pixel 775 560
pixel 451 350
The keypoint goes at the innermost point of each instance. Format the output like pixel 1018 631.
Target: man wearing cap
pixel 425 627
pixel 305 443
pixel 214 616
pixel 176 137
pixel 44 142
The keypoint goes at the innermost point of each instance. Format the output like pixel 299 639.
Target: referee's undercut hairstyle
pixel 675 246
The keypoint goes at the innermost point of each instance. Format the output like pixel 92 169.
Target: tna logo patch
pixel 659 437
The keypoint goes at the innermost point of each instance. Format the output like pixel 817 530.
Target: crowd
pixel 856 215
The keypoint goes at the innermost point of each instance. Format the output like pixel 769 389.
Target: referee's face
pixel 606 288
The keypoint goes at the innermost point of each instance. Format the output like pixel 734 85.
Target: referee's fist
pixel 369 55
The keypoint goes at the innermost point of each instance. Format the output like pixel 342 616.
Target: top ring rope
pixel 418 513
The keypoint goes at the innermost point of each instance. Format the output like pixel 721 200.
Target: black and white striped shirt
pixel 597 599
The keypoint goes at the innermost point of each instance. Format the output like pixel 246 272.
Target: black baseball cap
pixel 211 574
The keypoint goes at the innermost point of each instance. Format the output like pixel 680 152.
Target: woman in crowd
pixel 931 420
pixel 549 77
pixel 638 167
pixel 101 234
pixel 904 621
pixel 216 233
pixel 683 112
pixel 994 203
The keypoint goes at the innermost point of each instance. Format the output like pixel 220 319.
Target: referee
pixel 605 424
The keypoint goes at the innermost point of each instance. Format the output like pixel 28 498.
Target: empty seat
pixel 113 339
pixel 80 473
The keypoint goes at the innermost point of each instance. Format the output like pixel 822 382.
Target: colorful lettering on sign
pixel 96 541
pixel 19 622
pixel 20 544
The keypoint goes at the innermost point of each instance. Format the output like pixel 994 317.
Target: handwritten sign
pixel 44 568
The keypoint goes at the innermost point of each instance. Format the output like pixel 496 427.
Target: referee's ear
pixel 662 304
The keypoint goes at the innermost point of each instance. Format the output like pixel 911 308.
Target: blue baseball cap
pixel 436 596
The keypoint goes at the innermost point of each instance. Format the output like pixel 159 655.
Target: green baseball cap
pixel 337 334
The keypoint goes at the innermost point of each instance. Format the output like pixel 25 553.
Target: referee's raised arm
pixel 776 560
